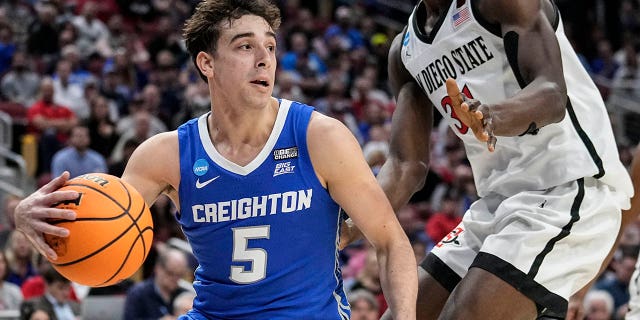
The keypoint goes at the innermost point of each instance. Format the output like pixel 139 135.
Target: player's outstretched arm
pixel 32 213
pixel 534 55
pixel 405 170
pixel 407 165
pixel 154 167
pixel 340 166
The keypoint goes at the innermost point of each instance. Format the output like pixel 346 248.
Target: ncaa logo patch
pixel 451 238
pixel 200 167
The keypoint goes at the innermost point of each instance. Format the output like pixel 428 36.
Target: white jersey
pixel 465 47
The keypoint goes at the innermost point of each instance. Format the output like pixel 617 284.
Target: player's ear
pixel 205 63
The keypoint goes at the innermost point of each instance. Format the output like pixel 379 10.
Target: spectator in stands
pixel 102 131
pixel 334 95
pixel 183 303
pixel 43 33
pixel 598 305
pixel 363 94
pixel 364 305
pixel 342 36
pixel 57 297
pixel 8 225
pixel 164 78
pixel 165 38
pixel 77 158
pixel 111 88
pixel 67 33
pixel 375 116
pixel 149 101
pixel 141 131
pixel 10 295
pixel 19 15
pixel 369 279
pixel 442 222
pixel 35 286
pixel 307 67
pixel 79 75
pixel 628 75
pixel 51 122
pixel 67 93
pixel 617 284
pixel 153 298
pixel 19 254
pixel 196 103
pixel 288 87
pixel 7 47
pixel 20 84
pixel 117 168
pixel 90 29
pixel 29 311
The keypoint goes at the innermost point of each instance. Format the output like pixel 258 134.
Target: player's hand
pixel 575 309
pixel 472 113
pixel 349 233
pixel 31 214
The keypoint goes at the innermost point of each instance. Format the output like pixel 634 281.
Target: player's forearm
pixel 399 278
pixel 401 179
pixel 539 104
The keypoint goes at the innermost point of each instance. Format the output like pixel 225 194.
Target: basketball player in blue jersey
pixel 540 144
pixel 258 182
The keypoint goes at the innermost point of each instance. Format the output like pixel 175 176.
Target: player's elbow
pixel 414 173
pixel 557 96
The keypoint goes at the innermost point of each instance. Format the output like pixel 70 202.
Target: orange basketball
pixel 111 235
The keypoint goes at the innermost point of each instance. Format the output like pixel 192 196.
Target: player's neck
pixel 436 7
pixel 238 132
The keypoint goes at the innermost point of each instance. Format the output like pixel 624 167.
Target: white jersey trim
pixel 228 165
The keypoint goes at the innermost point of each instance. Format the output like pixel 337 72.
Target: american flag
pixel 461 16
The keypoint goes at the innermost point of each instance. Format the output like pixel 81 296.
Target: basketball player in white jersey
pixel 259 182
pixel 540 144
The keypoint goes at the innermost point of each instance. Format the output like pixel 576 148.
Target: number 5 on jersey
pixel 241 252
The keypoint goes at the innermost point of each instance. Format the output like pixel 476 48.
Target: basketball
pixel 112 233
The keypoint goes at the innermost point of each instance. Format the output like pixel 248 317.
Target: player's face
pixel 244 64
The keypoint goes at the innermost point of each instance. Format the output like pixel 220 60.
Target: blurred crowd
pixel 86 81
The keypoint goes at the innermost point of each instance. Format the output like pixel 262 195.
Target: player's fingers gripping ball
pixel 112 233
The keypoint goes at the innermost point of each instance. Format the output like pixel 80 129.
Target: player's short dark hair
pixel 202 30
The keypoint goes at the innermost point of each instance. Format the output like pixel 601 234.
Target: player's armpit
pixel 154 167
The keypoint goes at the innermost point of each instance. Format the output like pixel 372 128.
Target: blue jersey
pixel 265 234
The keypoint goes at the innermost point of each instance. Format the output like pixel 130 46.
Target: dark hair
pixel 28 308
pixel 51 275
pixel 202 30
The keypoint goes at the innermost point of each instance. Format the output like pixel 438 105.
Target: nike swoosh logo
pixel 204 183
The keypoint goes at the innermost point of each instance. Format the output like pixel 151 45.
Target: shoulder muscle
pixel 154 167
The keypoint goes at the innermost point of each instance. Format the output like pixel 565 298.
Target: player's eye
pixel 245 47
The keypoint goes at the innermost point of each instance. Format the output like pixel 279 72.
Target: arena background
pixel 332 54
